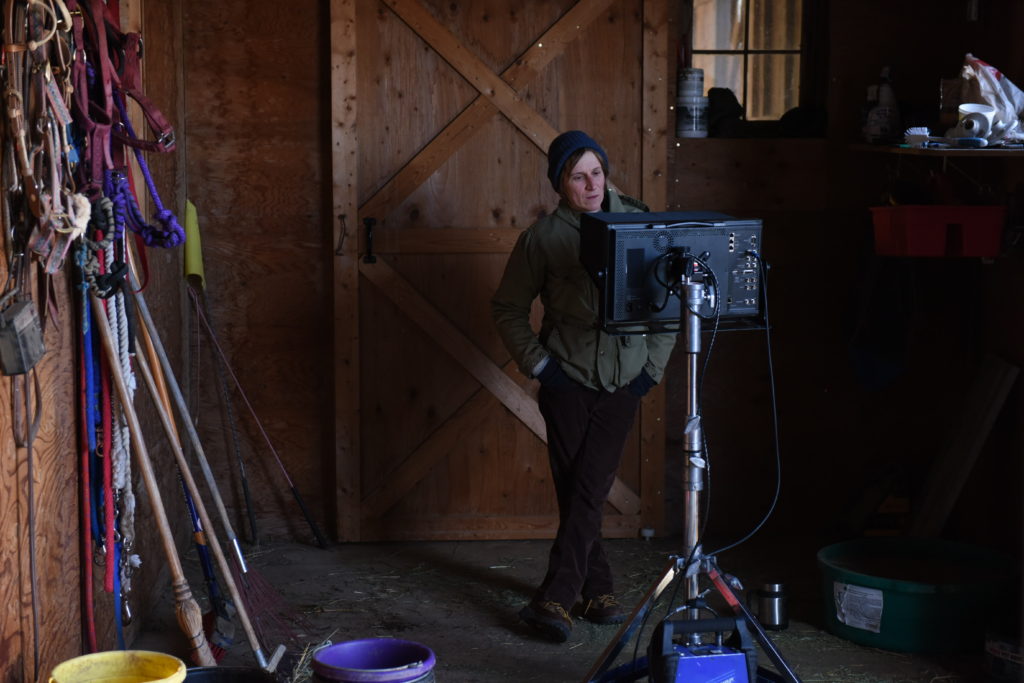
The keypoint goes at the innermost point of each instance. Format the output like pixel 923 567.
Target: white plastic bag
pixel 985 84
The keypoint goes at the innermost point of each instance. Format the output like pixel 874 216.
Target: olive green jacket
pixel 546 261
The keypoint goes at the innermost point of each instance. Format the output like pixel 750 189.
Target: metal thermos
pixel 770 608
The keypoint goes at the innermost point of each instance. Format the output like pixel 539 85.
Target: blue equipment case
pixel 667 661
pixel 718 662
pixel 709 664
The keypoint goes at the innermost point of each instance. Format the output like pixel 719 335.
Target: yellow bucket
pixel 120 666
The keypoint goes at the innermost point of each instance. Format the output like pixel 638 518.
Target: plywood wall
pixel 254 77
pixel 41 584
pixel 39 514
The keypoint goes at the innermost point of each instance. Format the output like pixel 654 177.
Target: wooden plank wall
pixel 812 195
pixel 344 465
pixel 452 169
pixel 256 158
pixel 784 183
pixel 909 424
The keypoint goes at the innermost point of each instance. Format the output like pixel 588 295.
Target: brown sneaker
pixel 602 609
pixel 548 617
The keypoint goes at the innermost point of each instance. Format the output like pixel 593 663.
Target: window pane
pixel 718 24
pixel 722 71
pixel 775 24
pixel 774 85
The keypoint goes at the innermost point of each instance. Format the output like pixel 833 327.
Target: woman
pixel 591 382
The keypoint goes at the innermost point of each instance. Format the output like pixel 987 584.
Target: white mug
pixel 975 120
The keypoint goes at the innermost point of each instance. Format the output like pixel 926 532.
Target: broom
pixel 214 544
pixel 217 624
pixel 190 618
pixel 257 594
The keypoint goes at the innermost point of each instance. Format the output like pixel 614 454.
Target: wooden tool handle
pixel 179 400
pixel 163 409
pixel 190 618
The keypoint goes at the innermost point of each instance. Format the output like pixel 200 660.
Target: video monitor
pixel 638 261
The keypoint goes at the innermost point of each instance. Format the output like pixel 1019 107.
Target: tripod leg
pixel 632 623
pixel 759 633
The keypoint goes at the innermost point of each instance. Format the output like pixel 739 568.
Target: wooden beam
pixel 403 476
pixel 552 42
pixel 443 240
pixel 476 362
pixel 428 160
pixel 344 166
pixel 534 126
pixel 655 116
pixel 450 338
pixel 656 124
pixel 623 499
pixel 476 527
pixel 546 47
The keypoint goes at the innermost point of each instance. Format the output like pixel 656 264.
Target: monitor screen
pixel 639 261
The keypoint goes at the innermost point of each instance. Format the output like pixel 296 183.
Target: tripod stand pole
pixel 693 563
pixel 693 444
pixel 693 440
pixel 632 623
pixel 721 581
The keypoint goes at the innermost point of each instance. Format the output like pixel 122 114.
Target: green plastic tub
pixel 915 594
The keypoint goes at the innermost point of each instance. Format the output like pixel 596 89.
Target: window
pixel 753 48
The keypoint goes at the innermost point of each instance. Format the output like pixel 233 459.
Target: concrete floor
pixel 461 598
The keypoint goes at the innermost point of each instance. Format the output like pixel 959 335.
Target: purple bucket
pixel 375 660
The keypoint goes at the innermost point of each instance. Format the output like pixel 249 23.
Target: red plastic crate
pixel 938 230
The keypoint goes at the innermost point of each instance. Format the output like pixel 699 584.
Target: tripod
pixel 692 563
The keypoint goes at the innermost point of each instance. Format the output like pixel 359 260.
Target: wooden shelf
pixel 941 151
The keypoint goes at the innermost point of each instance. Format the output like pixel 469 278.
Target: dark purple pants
pixel 587 430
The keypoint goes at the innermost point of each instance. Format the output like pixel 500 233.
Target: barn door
pixel 442 115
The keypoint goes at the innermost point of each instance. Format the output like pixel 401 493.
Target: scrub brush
pixel 920 136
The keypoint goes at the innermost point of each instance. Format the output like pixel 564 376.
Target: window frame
pixel 813 56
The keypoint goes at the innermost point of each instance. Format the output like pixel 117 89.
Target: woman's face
pixel 583 188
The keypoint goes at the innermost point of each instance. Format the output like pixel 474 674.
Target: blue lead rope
pixel 118 621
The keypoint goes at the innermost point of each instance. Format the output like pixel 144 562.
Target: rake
pixel 211 536
pixel 270 612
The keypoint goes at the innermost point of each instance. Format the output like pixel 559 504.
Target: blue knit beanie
pixel 563 146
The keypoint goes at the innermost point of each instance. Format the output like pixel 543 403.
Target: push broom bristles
pixel 273 618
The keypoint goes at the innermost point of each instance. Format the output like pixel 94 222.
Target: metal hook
pixel 369 256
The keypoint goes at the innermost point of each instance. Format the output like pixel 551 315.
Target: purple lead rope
pixel 172 234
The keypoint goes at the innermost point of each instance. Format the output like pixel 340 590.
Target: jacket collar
pixel 612 203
